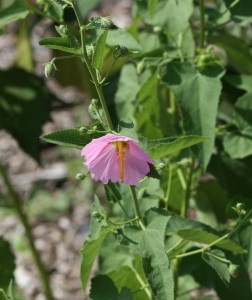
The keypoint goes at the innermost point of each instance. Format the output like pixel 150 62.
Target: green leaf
pixel 122 38
pixel 126 128
pixel 198 96
pixel 238 52
pixel 153 119
pixel 99 50
pixel 157 218
pixel 54 11
pixel 220 267
pixel 104 23
pixel 205 237
pixel 102 287
pixel 112 191
pixel 16 11
pixel 7 263
pixel 243 111
pixel 156 265
pixel 86 6
pixel 238 144
pixel 91 247
pixel 242 81
pixel 71 137
pixel 171 145
pixel 152 6
pixel 245 238
pixel 24 107
pixel 66 44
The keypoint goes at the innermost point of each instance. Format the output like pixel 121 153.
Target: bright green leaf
pixel 122 38
pixel 67 44
pixel 16 11
pixel 238 144
pixel 99 50
pixel 171 145
pixel 198 96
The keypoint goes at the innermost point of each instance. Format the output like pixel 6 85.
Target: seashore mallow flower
pixel 116 158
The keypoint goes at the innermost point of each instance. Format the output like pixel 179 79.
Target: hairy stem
pixel 91 70
pixel 17 203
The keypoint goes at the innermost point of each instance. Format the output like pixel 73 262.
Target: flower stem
pixel 17 203
pixel 202 24
pixel 168 191
pixel 136 206
pixel 91 70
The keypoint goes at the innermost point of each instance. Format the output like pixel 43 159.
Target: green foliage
pixel 7 263
pixel 99 50
pixel 16 11
pixel 199 111
pixel 67 44
pixel 22 95
pixel 72 137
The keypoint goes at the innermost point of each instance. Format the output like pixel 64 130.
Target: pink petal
pixel 109 138
pixel 92 150
pixel 139 153
pixel 106 166
pixel 134 169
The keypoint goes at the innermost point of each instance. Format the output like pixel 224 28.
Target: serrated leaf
pixel 238 144
pixel 220 267
pixel 70 137
pixel 67 44
pixel 167 146
pixel 156 265
pixel 198 96
pixel 16 11
pixel 25 105
pixel 205 237
pixel 97 233
pixel 99 50
pixel 7 263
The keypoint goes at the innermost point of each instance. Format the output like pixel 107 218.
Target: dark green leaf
pixel 97 233
pixel 243 111
pixel 24 107
pixel 103 288
pixel 7 263
pixel 199 111
pixel 219 266
pixel 17 10
pixel 104 23
pixel 243 82
pixel 66 44
pixel 122 38
pixel 240 9
pixel 126 128
pixel 99 50
pixel 86 6
pixel 71 137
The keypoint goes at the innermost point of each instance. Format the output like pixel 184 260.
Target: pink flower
pixel 116 158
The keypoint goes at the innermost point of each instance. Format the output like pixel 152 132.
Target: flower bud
pixel 120 51
pixel 233 270
pixel 160 166
pixel 62 30
pixel 83 130
pixel 96 215
pixel 140 67
pixel 80 176
pixel 50 69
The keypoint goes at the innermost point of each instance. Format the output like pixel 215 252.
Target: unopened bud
pixel 62 30
pixel 140 67
pixel 80 176
pixel 120 51
pixel 50 69
pixel 160 166
pixel 96 215
pixel 233 270
pixel 83 130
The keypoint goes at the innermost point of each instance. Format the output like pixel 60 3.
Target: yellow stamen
pixel 120 145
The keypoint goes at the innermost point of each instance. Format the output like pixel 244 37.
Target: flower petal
pixel 92 150
pixel 134 169
pixel 106 166
pixel 139 153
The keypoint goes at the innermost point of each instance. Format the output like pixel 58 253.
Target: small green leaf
pixel 7 263
pixel 16 11
pixel 104 23
pixel 66 44
pixel 167 146
pixel 123 38
pixel 220 267
pixel 71 137
pixel 126 128
pixel 99 50
pixel 238 144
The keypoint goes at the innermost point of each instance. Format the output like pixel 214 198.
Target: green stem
pixel 123 209
pixel 202 24
pixel 136 206
pixel 65 57
pixel 221 259
pixel 91 70
pixel 167 196
pixel 17 203
pixel 185 203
